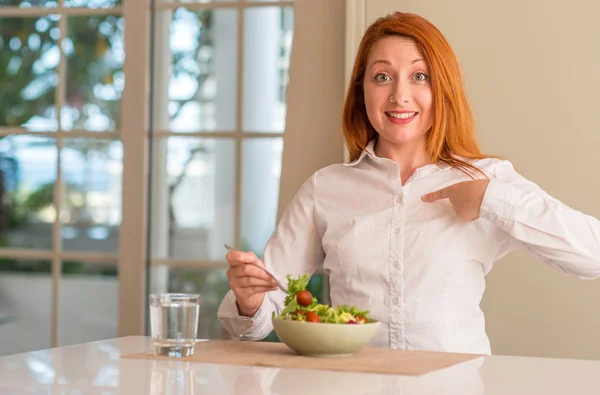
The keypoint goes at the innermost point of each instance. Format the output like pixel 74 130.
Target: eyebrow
pixel 388 63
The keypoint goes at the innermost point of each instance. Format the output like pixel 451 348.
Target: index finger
pixel 437 195
pixel 236 258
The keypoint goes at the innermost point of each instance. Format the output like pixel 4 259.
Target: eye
pixel 421 77
pixel 380 77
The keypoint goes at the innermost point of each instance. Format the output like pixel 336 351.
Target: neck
pixel 408 157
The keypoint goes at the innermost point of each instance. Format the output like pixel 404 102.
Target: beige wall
pixel 313 138
pixel 532 70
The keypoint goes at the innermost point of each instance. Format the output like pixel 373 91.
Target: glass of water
pixel 174 323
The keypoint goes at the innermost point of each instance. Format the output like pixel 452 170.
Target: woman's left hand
pixel 465 197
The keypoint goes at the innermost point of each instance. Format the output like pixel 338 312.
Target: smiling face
pixel 396 69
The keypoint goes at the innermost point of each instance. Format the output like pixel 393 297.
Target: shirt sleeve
pixel 295 249
pixel 532 221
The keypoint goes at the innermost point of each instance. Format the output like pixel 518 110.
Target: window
pixel 219 89
pixel 61 76
pixel 88 86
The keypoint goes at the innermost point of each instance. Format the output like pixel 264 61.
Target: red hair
pixel 452 134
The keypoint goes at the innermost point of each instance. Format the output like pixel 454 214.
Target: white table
pixel 95 368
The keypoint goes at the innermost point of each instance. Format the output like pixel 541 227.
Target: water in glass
pixel 174 323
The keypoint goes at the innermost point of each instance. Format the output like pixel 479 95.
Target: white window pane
pixel 261 171
pixel 94 3
pixel 91 198
pixel 29 56
pixel 268 35
pixel 89 301
pixel 94 47
pixel 196 1
pixel 196 70
pixel 29 3
pixel 193 201
pixel 28 165
pixel 25 305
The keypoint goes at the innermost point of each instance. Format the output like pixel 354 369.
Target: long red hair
pixel 452 134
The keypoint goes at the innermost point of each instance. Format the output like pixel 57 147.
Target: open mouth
pixel 401 115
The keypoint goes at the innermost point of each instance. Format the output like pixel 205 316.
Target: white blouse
pixel 417 267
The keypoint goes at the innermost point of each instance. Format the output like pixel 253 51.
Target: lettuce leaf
pixel 295 286
pixel 290 307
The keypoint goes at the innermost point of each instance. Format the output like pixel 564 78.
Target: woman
pixel 410 227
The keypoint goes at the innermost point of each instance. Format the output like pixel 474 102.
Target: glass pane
pixel 261 170
pixel 193 198
pixel 93 3
pixel 211 284
pixel 91 200
pixel 196 1
pixel 94 47
pixel 268 35
pixel 29 3
pixel 89 299
pixel 29 56
pixel 196 70
pixel 28 165
pixel 25 305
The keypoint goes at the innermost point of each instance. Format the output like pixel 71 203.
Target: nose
pixel 402 92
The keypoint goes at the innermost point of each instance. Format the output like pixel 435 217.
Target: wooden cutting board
pixel 367 360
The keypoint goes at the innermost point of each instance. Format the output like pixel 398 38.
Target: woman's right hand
pixel 248 282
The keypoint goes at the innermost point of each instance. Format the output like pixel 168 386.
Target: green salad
pixel 300 305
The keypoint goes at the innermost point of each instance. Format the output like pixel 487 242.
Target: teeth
pixel 404 115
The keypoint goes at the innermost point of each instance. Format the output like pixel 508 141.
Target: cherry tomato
pixel 311 316
pixel 304 298
pixel 351 322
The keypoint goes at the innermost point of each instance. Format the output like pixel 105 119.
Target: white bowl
pixel 324 340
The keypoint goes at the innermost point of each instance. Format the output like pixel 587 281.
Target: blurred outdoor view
pixel 90 168
pixel 193 178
